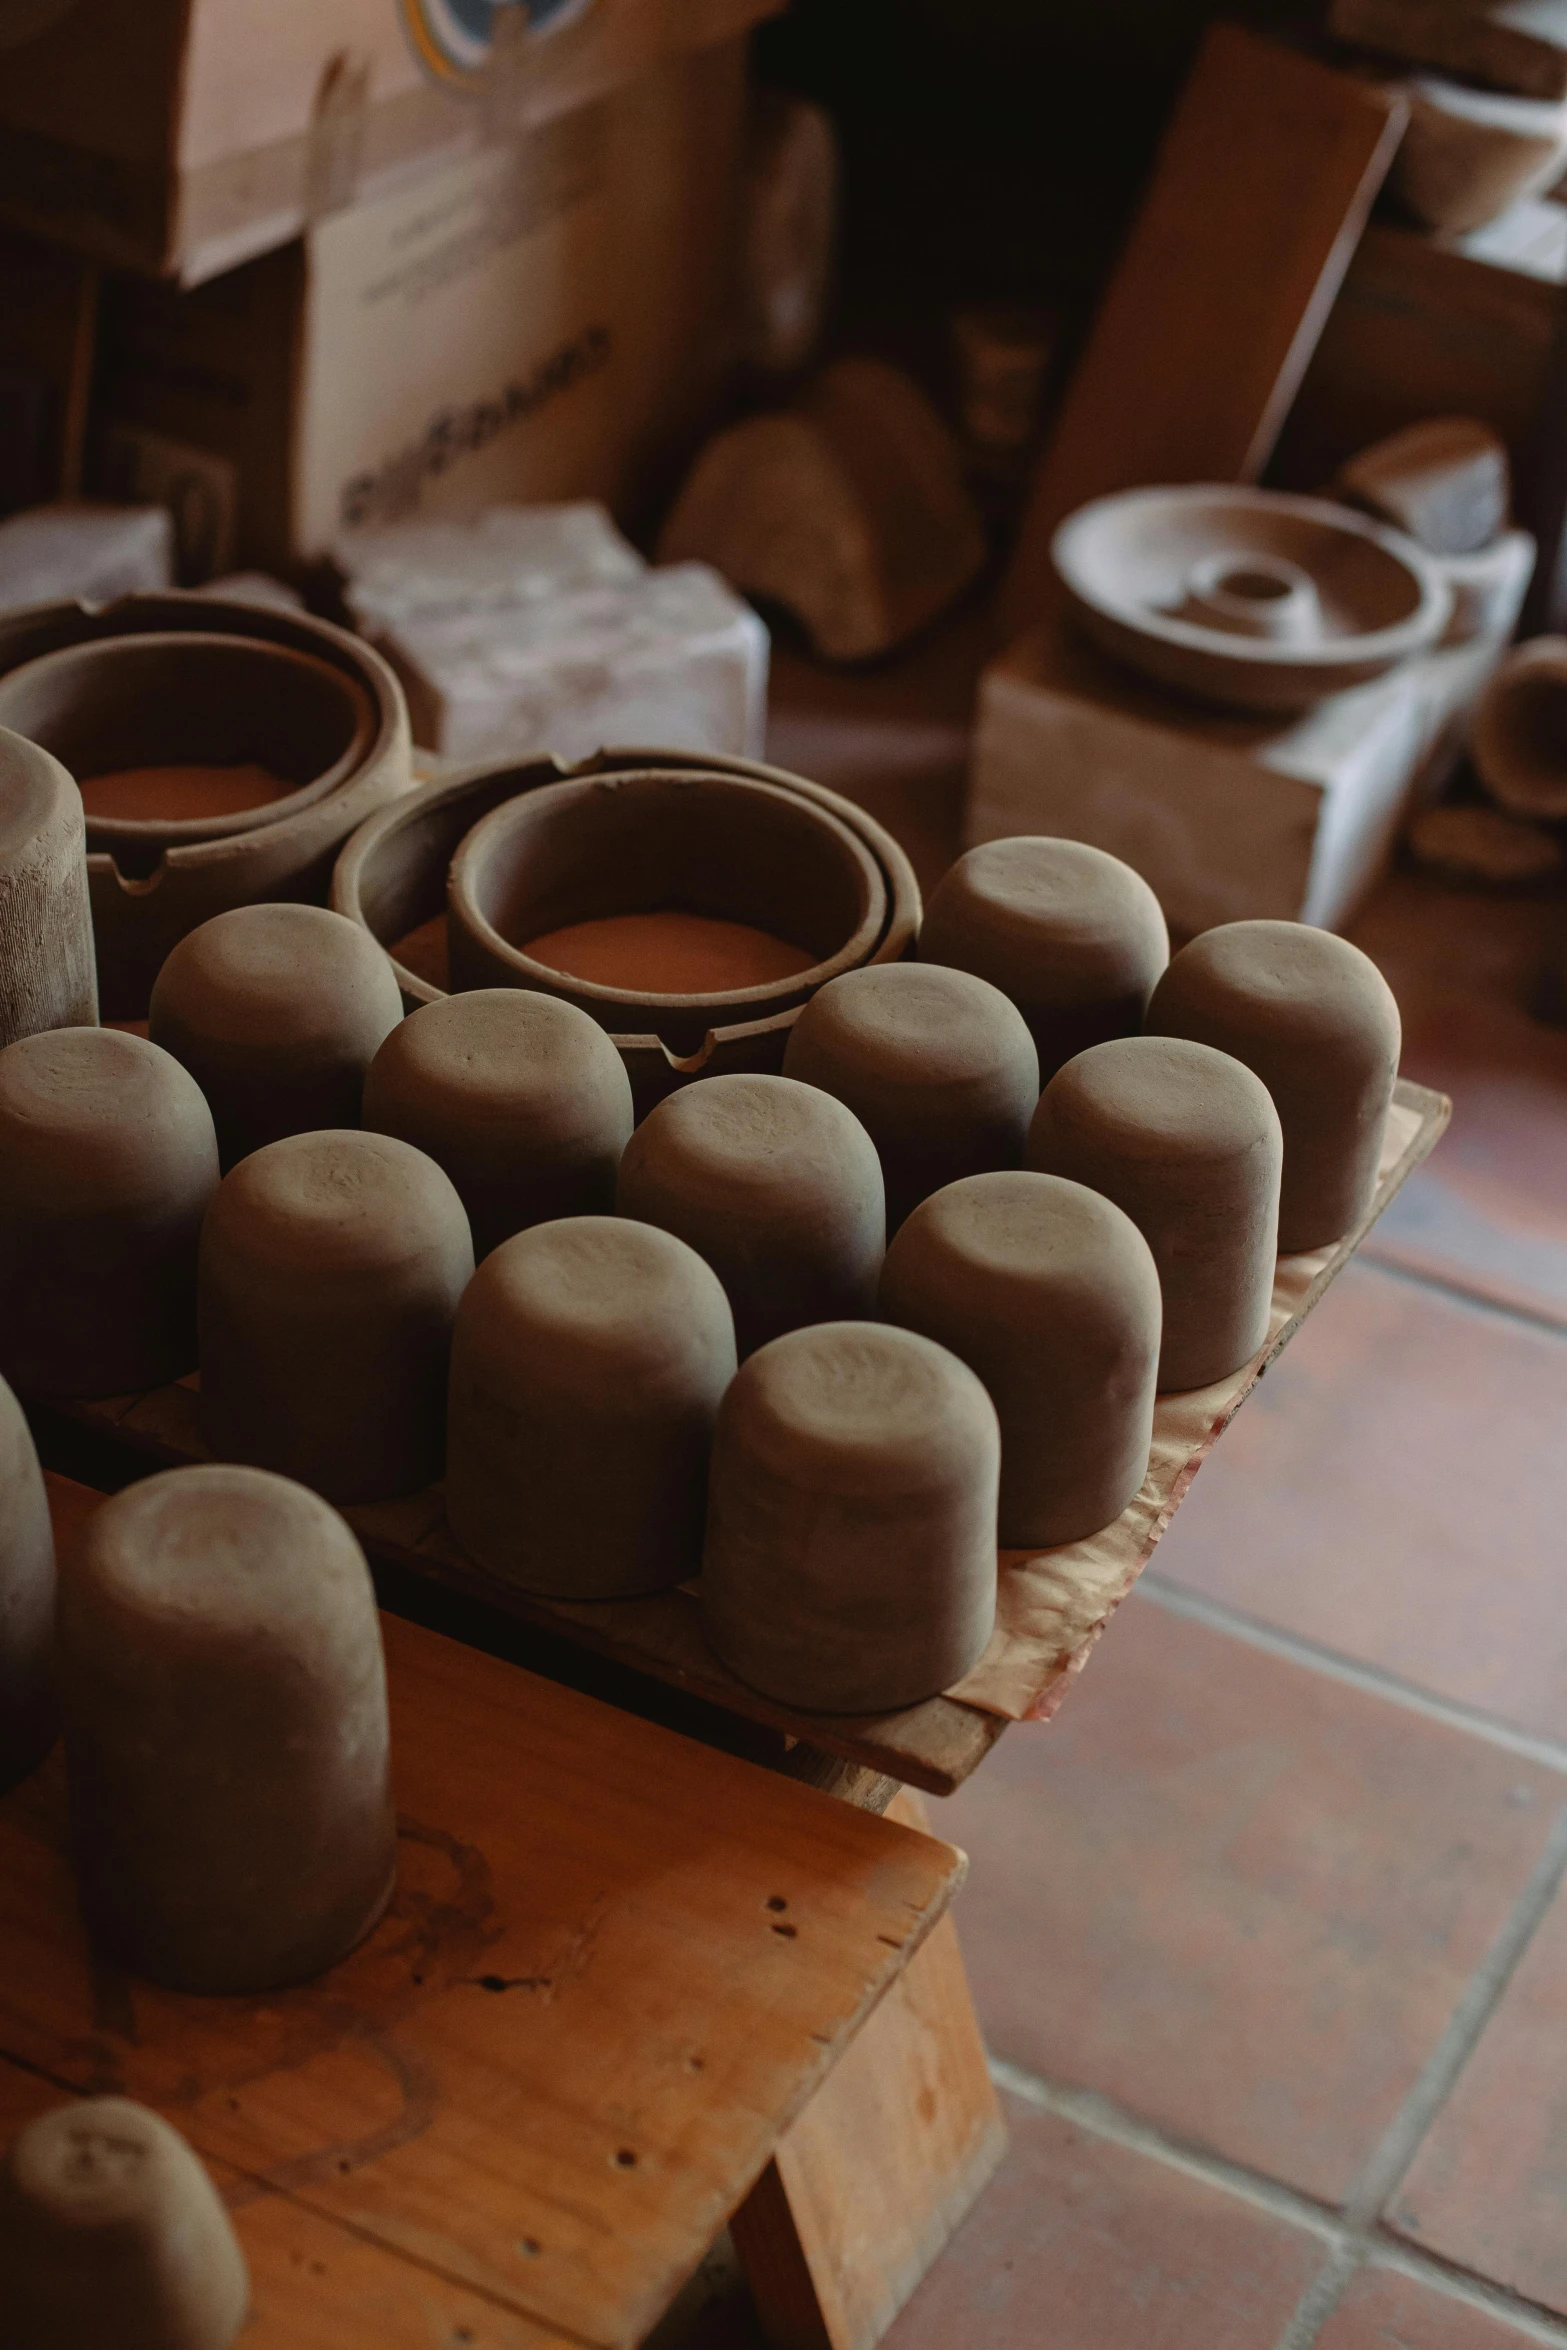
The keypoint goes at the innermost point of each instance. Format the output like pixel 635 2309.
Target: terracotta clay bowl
pixel 392 877
pixel 1248 597
pixel 147 893
pixel 192 699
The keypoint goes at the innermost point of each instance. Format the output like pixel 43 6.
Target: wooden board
pixel 1260 191
pixel 617 1968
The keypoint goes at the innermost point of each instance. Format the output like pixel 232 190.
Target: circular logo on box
pixel 454 37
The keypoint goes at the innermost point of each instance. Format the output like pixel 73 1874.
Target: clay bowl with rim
pixel 392 878
pixel 147 894
pixel 192 699
pixel 724 846
pixel 1249 598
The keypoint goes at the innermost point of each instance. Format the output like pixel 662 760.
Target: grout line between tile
pixel 1371 1680
pixel 1456 2284
pixel 1460 1292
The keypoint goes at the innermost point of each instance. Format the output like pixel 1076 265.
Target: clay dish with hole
pixel 1246 597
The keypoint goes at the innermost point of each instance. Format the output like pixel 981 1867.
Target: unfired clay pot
pixel 112 2232
pixel 1317 1021
pixel 937 1065
pixel 1071 934
pixel 777 1185
pixel 1186 1141
pixel 48 975
pixel 277 1012
pixel 331 1267
pixel 1051 1294
pixel 224 1704
pixel 588 1362
pixel 27 1716
pixel 521 1098
pixel 850 1564
pixel 107 1162
pixel 1518 734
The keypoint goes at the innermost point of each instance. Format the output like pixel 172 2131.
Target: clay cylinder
pixel 111 2231
pixel 107 1162
pixel 277 1012
pixel 1317 1021
pixel 777 1185
pixel 1050 1294
pixel 27 1718
pixel 224 1704
pixel 587 1366
pixel 1073 936
pixel 850 1564
pixel 522 1099
pixel 48 972
pixel 1186 1141
pixel 331 1267
pixel 1519 731
pixel 936 1064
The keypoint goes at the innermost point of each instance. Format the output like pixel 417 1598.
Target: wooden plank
pixel 617 1967
pixel 1262 186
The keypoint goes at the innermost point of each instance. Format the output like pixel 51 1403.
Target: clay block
pixel 331 1267
pixel 1518 738
pixel 510 556
pixel 107 1163
pixel 777 1185
pixel 1518 45
pixel 1073 936
pixel 1469 154
pixel 27 1713
pixel 111 2231
pixel 224 1705
pixel 849 510
pixel 277 1012
pixel 1187 1142
pixel 1318 1023
pixel 850 1564
pixel 48 969
pixel 83 550
pixel 937 1065
pixel 1050 1294
pixel 789 219
pixel 1445 481
pixel 587 1366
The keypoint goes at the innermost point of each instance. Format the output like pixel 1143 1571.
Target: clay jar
pixel 1188 1142
pixel 107 1163
pixel 277 1012
pixel 224 1704
pixel 777 1185
pixel 1317 1021
pixel 587 1366
pixel 27 1717
pixel 111 2231
pixel 850 1564
pixel 1519 730
pixel 1073 936
pixel 331 1267
pixel 48 974
pixel 937 1065
pixel 1050 1294
pixel 523 1100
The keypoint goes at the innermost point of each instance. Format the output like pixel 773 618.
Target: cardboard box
pixel 548 319
pixel 186 136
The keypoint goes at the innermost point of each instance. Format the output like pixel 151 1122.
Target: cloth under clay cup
pixel 937 1065
pixel 48 968
pixel 777 1185
pixel 850 1564
pixel 223 1695
pixel 1073 936
pixel 588 1363
pixel 277 1012
pixel 1186 1140
pixel 27 1712
pixel 1051 1295
pixel 521 1098
pixel 107 1162
pixel 1317 1022
pixel 331 1267
pixel 111 2232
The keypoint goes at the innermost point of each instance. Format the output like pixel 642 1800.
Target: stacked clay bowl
pixel 627 867
pixel 223 753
